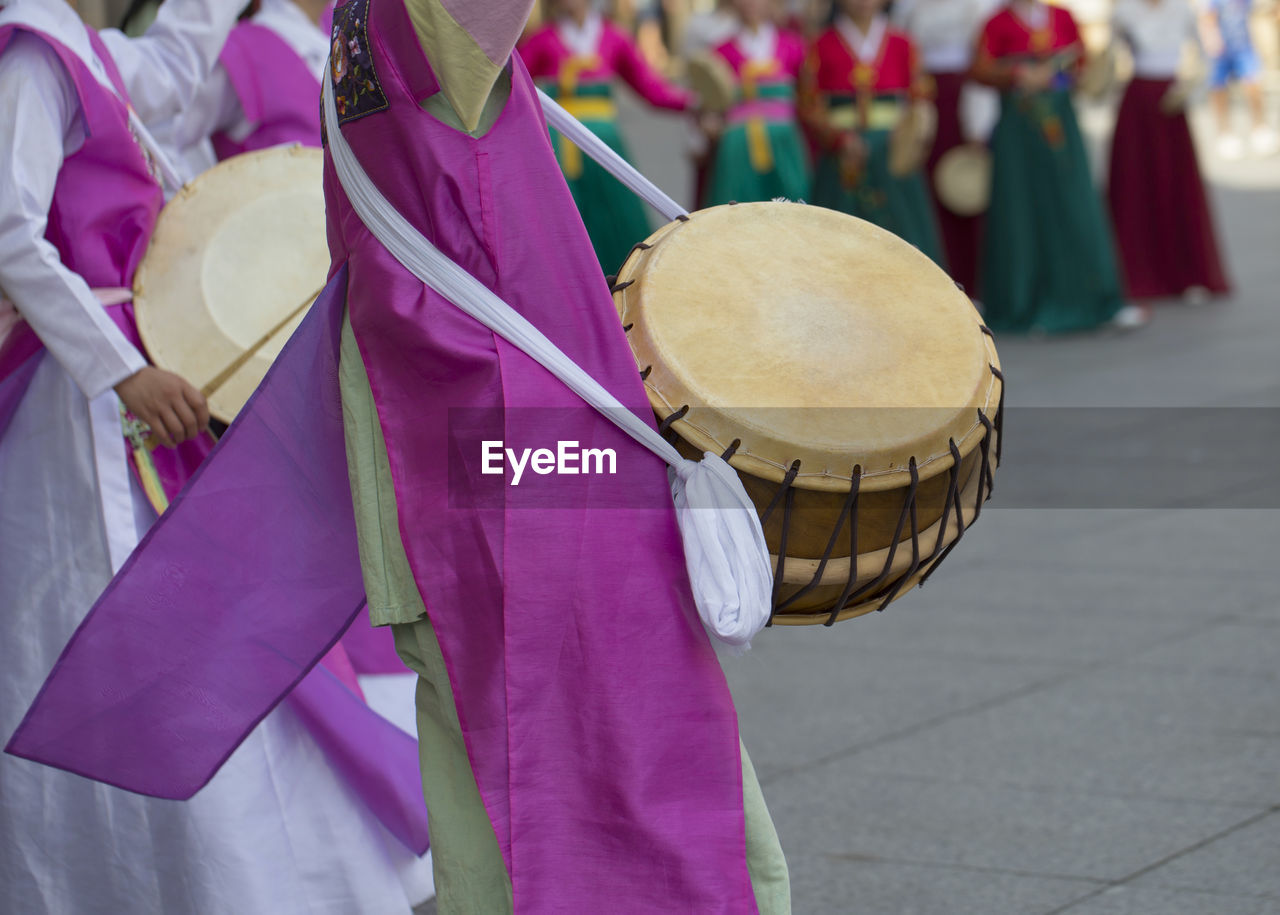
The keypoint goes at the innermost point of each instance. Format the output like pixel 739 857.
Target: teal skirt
pixel 614 216
pixel 900 205
pixel 1048 260
pixel 734 179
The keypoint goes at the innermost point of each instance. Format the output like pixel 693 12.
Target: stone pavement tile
pixel 1051 613
pixel 1043 585
pixel 1214 543
pixel 1245 861
pixel 1241 647
pixel 1000 529
pixel 805 693
pixel 854 810
pixel 826 884
pixel 1130 900
pixel 1121 732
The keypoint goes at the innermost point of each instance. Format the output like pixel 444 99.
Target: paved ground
pixel 1081 712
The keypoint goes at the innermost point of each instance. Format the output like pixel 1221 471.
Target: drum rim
pixel 741 459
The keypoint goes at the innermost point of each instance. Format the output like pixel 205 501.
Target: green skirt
pixel 734 179
pixel 1048 260
pixel 614 216
pixel 900 205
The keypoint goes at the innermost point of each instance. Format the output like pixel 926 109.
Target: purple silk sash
pixel 228 602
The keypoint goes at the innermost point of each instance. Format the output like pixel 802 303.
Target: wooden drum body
pixel 850 383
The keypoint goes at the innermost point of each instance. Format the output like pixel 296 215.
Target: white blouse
pixel 945 31
pixel 1156 33
pixel 216 107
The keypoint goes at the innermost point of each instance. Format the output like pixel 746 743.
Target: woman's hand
pixel 175 411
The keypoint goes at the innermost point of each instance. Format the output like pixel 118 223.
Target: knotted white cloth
pixel 724 545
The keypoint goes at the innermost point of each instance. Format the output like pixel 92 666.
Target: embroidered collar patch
pixel 357 91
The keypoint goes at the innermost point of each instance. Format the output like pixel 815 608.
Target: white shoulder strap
pixel 613 163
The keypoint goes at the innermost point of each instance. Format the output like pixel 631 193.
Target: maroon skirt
pixel 1163 226
pixel 961 235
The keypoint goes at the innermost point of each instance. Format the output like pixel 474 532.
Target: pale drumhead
pixel 236 251
pixel 810 335
pixel 962 179
pixel 712 79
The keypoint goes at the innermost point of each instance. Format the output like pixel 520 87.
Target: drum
pixel 962 178
pixel 236 257
pixel 1098 76
pixel 844 376
pixel 712 80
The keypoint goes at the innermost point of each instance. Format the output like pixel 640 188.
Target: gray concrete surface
pixel 1081 712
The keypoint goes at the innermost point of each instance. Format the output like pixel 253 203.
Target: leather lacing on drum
pixel 851 594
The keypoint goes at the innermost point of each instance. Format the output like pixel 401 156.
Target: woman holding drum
pixel 760 154
pixel 862 83
pixel 1048 263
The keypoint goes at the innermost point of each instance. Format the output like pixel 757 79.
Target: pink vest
pixel 275 88
pixel 106 201
pixel 597 720
pixel 104 209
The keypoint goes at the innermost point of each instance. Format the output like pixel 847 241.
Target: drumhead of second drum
pixel 233 254
pixel 809 335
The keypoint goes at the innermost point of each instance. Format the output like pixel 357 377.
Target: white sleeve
pixel 163 68
pixel 40 121
pixel 215 109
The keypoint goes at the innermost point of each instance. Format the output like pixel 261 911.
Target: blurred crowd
pixel 952 123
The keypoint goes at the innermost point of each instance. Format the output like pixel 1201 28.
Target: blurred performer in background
pixel 1162 219
pixel 707 30
pixel 1224 26
pixel 1048 260
pixel 760 153
pixel 575 58
pixel 263 91
pixel 946 31
pixel 277 830
pixel 859 80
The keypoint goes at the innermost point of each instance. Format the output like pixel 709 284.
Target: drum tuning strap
pixel 915 541
pixel 908 511
pixel 638 246
pixel 847 511
pixel 984 479
pixel 665 426
pixel 999 422
pixel 787 495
